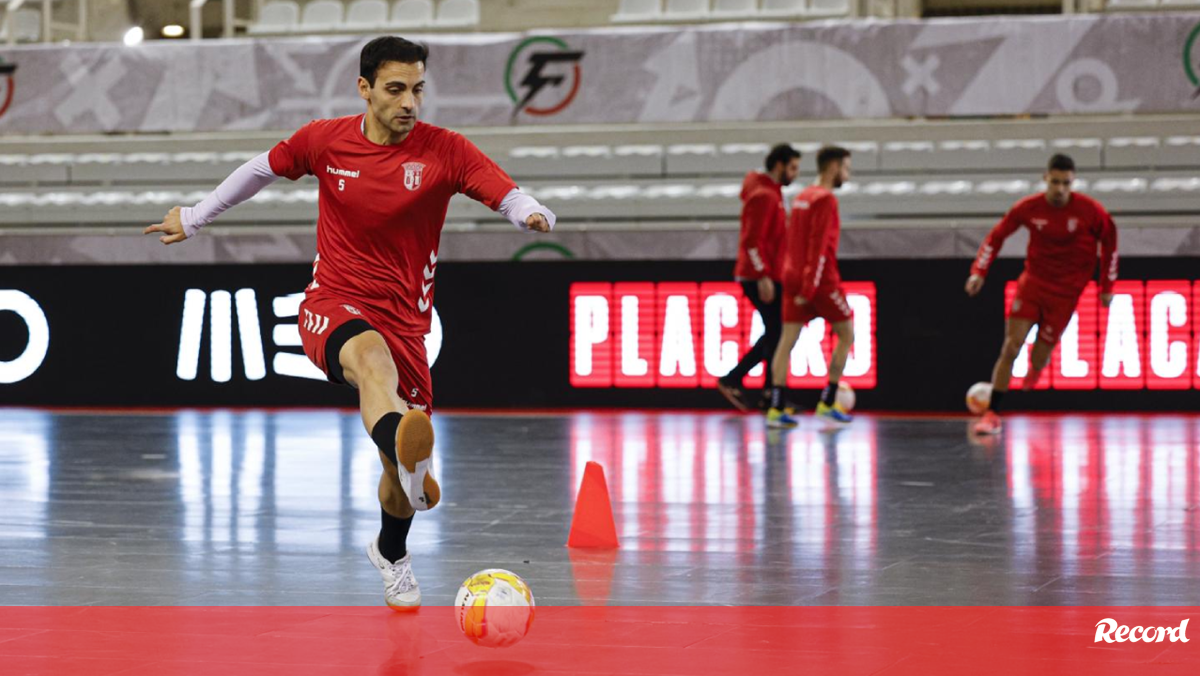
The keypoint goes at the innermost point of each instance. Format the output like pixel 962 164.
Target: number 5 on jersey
pixel 341 184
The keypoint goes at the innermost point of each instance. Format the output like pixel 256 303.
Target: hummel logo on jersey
pixel 352 310
pixel 1040 223
pixel 430 270
pixel 315 323
pixel 341 172
pixel 412 174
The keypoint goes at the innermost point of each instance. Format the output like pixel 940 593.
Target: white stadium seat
pixel 1018 154
pixel 367 14
pixel 1139 151
pixel 457 13
pixel 906 155
pixel 782 7
pixel 734 8
pixel 638 10
pixel 829 7
pixel 1179 151
pixel 1087 152
pixel 322 15
pixel 412 13
pixel 739 158
pixel 277 16
pixel 691 159
pixel 27 25
pixel 686 9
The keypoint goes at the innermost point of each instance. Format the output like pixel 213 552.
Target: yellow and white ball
pixel 494 608
pixel 846 397
pixel 979 398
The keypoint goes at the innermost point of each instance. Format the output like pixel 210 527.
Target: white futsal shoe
pixel 414 451
pixel 400 588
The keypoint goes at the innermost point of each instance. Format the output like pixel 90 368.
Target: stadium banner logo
pixel 30 357
pixel 7 85
pixel 219 309
pixel 1191 59
pixel 843 70
pixel 542 63
pixel 684 334
pixel 1146 339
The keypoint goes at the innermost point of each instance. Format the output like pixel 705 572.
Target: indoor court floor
pixel 231 542
pixel 275 508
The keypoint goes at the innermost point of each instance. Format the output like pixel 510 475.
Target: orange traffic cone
pixel 593 525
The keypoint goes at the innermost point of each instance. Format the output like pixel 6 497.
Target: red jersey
pixel 812 242
pixel 382 208
pixel 1063 243
pixel 760 246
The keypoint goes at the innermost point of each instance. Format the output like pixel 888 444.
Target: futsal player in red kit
pixel 386 180
pixel 812 286
pixel 1066 232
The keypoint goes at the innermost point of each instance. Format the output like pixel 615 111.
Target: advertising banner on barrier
pixel 638 334
pixel 720 72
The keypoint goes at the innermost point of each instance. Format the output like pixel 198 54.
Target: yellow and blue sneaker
pixel 833 414
pixel 780 419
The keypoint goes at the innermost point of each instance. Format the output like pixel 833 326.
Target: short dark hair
pixel 1061 162
pixel 389 48
pixel 830 154
pixel 783 152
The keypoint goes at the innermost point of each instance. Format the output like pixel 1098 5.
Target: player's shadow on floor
pixel 494 668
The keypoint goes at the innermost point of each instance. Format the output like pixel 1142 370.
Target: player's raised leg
pixel 404 438
pixel 780 363
pixel 1014 337
pixel 829 409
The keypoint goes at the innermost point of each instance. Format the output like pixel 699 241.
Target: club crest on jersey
pixel 1072 223
pixel 412 174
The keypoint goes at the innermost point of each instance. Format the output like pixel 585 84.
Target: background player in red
pixel 386 180
pixel 812 285
pixel 1066 230
pixel 759 264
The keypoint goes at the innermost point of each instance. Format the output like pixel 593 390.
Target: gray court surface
pixel 275 508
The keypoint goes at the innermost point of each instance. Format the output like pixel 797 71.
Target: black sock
pixel 997 397
pixel 776 397
pixel 384 434
pixel 393 537
pixel 829 394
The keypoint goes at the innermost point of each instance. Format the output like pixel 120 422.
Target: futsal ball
pixel 979 397
pixel 845 397
pixel 494 608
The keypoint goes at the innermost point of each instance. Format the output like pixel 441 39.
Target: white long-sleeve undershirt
pixel 247 180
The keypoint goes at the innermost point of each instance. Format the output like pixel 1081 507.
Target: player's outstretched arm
pixel 990 248
pixel 1108 258
pixel 180 223
pixel 537 223
pixel 170 229
pixel 974 285
pixel 523 211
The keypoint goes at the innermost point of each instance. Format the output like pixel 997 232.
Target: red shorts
pixel 327 323
pixel 1051 312
pixel 828 302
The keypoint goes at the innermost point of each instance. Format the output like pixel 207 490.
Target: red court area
pixel 677 640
